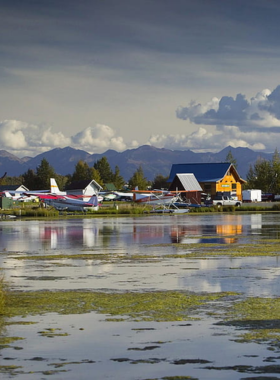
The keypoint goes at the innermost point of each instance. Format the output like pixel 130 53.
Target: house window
pixel 233 186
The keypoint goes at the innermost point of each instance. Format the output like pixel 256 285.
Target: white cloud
pixel 261 111
pixel 97 139
pixel 238 122
pixel 253 123
pixel 12 135
pixel 24 139
pixel 204 141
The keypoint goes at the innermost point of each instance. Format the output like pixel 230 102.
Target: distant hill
pixel 153 160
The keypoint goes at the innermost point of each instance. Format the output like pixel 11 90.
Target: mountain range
pixel 153 160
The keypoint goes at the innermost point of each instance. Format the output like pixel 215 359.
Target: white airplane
pixel 63 201
pixel 116 196
pixel 55 190
pixel 17 196
pixel 69 203
pixel 154 197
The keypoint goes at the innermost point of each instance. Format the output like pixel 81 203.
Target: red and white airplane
pixel 70 203
pixel 63 201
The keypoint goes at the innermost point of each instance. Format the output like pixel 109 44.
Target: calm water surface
pixel 95 347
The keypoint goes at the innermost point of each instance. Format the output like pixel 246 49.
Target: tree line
pixel 263 175
pixel 101 172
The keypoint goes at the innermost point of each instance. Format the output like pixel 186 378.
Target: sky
pixel 117 74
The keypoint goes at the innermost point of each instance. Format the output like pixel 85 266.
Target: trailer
pixel 252 195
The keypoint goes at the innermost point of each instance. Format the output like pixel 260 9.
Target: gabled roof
pixel 13 187
pixel 110 186
pixel 204 172
pixel 81 185
pixel 188 181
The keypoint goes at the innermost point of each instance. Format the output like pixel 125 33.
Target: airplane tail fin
pixel 54 187
pixel 93 200
pixel 134 194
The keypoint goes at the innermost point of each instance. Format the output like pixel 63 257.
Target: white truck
pixel 223 200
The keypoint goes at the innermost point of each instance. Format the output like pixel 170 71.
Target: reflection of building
pixel 222 234
pixel 212 177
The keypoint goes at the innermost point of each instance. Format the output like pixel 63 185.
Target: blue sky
pixel 107 74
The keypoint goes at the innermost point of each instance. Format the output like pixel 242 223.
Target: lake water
pixel 97 349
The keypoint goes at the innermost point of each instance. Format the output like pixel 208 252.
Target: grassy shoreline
pixel 124 209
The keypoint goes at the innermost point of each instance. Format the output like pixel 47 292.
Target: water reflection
pixel 221 234
pixel 89 338
pixel 115 233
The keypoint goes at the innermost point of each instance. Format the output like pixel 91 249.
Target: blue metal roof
pixel 204 172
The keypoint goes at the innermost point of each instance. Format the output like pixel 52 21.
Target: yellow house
pixel 213 177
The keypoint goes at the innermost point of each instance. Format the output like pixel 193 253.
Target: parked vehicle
pixel 252 195
pixel 267 197
pixel 223 200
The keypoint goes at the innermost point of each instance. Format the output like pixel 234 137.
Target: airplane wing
pixel 44 196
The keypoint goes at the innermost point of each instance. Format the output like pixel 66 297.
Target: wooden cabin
pixel 219 177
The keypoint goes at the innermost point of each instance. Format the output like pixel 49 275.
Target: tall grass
pixel 2 302
pixel 124 209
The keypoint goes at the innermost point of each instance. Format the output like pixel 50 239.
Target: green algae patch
pixel 9 369
pixel 79 256
pixel 265 247
pixel 23 323
pixel 51 333
pixel 174 378
pixel 259 316
pixel 8 340
pixel 232 250
pixel 148 306
pixel 58 365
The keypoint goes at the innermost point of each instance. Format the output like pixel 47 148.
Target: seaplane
pixel 163 201
pixel 63 201
pixel 69 203
pixel 116 195
pixel 17 196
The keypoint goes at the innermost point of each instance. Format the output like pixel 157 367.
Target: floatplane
pixel 163 201
pixel 61 200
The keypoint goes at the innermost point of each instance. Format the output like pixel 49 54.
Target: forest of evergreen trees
pixel 264 175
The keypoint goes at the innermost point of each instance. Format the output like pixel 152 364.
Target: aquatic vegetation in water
pixel 51 333
pixel 197 250
pixel 174 378
pixel 204 250
pixel 145 306
pixel 259 316
pixel 65 363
